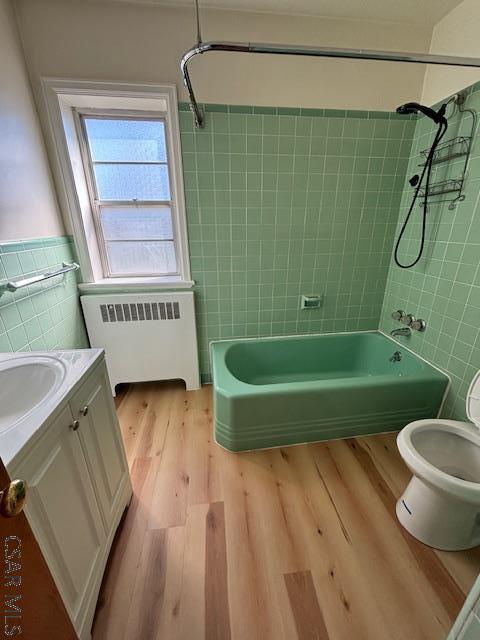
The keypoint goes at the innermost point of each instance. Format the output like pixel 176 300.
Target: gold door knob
pixel 12 498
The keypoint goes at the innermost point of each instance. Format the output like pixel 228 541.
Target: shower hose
pixel 425 175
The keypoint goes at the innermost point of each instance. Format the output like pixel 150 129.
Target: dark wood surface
pixel 32 607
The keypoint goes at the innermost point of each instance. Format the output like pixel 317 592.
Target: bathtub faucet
pixel 402 331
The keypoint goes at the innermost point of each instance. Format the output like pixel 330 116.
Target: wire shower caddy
pixel 452 149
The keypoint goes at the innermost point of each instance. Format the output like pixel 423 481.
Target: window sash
pixel 97 203
pixel 127 274
pixel 97 212
pixel 107 216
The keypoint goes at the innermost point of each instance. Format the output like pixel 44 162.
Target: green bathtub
pixel 270 392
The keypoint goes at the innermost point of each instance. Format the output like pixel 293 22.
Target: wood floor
pixel 300 542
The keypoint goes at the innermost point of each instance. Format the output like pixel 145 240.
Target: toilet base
pixel 437 519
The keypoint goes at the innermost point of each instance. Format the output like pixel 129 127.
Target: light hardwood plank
pixel 154 424
pixel 131 412
pixel 332 552
pixel 303 599
pixel 217 616
pixel 383 541
pixel 148 594
pixel 253 610
pixel 202 456
pixel 119 578
pixel 286 544
pixel 192 600
pixel 170 497
pixel 169 618
pixel 447 591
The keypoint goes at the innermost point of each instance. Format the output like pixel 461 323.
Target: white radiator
pixel 145 336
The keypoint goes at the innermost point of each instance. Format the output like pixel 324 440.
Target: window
pixel 126 161
pixel 117 164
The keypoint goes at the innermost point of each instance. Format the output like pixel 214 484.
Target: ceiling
pixel 427 12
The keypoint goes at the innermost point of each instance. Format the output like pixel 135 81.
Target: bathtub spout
pixel 402 331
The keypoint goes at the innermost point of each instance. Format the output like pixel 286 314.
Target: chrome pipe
pixel 198 115
pixel 318 52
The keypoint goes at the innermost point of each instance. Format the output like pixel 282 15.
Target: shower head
pixel 415 107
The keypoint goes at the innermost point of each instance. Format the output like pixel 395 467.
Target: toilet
pixel 441 504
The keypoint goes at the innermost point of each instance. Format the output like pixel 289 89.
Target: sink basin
pixel 27 382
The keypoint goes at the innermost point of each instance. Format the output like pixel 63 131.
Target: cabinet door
pixel 101 439
pixel 63 512
pixel 43 615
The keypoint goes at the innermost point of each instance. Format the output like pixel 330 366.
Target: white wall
pixel 28 206
pixel 458 33
pixel 144 44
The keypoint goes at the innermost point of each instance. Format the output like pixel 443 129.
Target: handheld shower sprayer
pixel 417 181
pixel 414 107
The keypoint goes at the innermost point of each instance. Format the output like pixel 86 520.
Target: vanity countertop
pixel 74 364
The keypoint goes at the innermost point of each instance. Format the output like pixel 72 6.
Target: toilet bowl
pixel 441 504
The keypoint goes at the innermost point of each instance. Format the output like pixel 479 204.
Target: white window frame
pixel 63 98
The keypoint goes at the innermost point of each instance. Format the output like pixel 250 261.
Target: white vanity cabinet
pixel 63 511
pixel 101 442
pixel 79 486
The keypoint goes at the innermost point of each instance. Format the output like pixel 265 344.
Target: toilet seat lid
pixel 473 400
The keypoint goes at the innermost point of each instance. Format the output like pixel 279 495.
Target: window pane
pixel 141 258
pixel 126 140
pixel 129 181
pixel 136 223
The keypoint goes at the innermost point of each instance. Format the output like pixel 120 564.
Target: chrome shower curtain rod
pixel 318 52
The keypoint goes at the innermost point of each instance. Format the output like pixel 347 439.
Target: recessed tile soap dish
pixel 311 302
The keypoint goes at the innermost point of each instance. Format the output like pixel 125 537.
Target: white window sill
pixel 135 284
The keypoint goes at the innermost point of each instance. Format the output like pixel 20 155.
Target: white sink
pixel 27 382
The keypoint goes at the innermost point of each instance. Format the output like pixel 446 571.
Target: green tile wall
pixel 45 315
pixel 288 202
pixel 444 288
